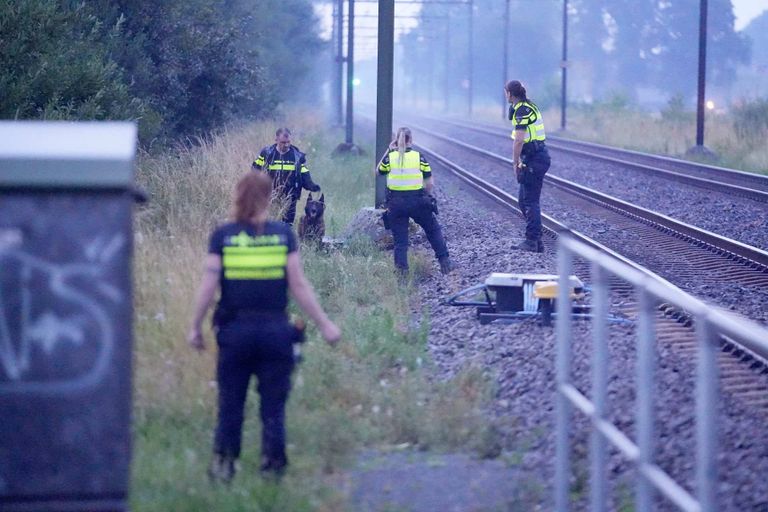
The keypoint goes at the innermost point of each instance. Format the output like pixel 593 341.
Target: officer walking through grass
pixel 287 166
pixel 409 188
pixel 530 160
pixel 254 262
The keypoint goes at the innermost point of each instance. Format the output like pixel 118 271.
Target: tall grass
pixel 738 143
pixel 372 390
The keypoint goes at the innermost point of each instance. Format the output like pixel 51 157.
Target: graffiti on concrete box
pixel 56 334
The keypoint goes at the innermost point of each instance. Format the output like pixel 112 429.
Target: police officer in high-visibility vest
pixel 409 187
pixel 530 160
pixel 287 166
pixel 254 262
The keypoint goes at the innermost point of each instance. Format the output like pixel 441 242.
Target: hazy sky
pixel 746 10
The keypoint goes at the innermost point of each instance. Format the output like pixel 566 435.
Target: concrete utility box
pixel 66 196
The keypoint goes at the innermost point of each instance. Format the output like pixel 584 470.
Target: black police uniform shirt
pixel 286 172
pixel 253 265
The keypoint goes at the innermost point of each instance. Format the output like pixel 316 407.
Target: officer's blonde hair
pixel 403 140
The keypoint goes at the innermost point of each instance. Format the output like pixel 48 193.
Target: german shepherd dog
pixel 312 225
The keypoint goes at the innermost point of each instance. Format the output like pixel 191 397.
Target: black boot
pixel 446 266
pixel 402 275
pixel 530 245
pixel 273 470
pixel 222 469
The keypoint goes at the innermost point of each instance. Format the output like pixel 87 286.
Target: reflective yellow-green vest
pixel 533 122
pixel 248 257
pixel 405 175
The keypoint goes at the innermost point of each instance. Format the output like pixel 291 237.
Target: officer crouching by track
pixel 255 263
pixel 409 187
pixel 530 160
pixel 287 166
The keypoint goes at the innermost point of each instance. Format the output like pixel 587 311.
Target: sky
pixel 747 10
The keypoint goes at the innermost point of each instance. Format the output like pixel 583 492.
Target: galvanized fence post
pixel 599 383
pixel 706 410
pixel 563 361
pixel 646 351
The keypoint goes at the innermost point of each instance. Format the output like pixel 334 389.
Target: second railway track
pixel 678 252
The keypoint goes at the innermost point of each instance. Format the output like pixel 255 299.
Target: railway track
pixel 744 368
pixel 733 182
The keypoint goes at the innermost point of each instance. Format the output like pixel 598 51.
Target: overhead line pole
pixel 384 83
pixel 350 71
pixel 702 73
pixel 340 63
pixel 564 66
pixel 471 60
pixel 505 65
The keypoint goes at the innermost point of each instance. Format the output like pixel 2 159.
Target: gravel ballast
pixel 521 357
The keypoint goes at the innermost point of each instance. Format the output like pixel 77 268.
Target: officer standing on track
pixel 254 262
pixel 530 160
pixel 409 187
pixel 287 166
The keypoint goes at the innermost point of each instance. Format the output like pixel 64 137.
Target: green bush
pixel 181 68
pixel 675 110
pixel 55 65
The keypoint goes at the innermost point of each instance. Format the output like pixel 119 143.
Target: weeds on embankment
pixel 738 137
pixel 370 391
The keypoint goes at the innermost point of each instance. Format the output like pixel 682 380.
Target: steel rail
pixel 743 253
pixel 734 344
pixel 548 222
pixel 678 170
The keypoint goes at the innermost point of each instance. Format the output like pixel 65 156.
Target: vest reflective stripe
pixel 535 130
pixel 280 166
pixel 405 175
pixel 254 274
pixel 255 261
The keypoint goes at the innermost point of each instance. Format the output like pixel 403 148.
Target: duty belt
pixel 534 146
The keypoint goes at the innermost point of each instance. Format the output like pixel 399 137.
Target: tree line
pixel 615 47
pixel 179 67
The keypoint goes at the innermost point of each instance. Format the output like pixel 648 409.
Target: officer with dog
pixel 287 166
pixel 530 160
pixel 409 187
pixel 255 263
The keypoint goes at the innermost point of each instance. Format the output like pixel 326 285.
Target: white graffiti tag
pixel 45 331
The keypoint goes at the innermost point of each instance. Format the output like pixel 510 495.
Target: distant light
pixel 711 105
pixel 355 82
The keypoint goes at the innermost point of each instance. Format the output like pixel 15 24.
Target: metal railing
pixel 710 325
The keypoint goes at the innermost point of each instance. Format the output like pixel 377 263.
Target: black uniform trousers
pixel 416 205
pixel 288 199
pixel 262 346
pixel 529 195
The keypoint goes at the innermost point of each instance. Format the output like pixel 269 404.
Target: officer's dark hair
pixel 252 195
pixel 516 89
pixel 281 131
